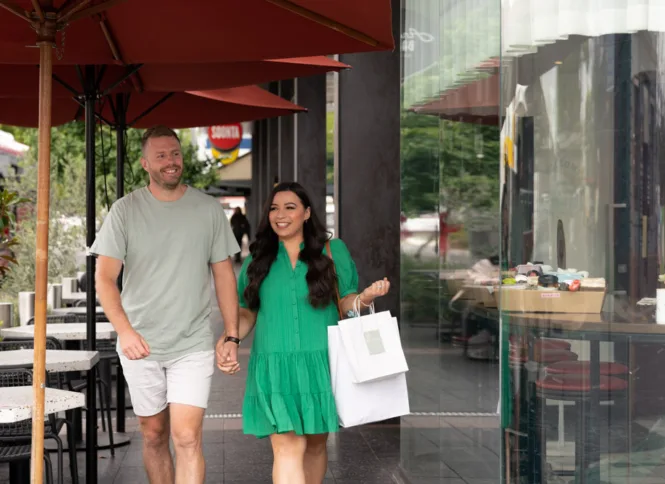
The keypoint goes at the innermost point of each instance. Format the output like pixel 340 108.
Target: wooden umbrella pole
pixel 41 273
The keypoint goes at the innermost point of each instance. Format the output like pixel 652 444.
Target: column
pixel 286 126
pixel 309 154
pixel 368 167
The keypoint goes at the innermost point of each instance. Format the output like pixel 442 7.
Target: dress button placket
pixel 294 305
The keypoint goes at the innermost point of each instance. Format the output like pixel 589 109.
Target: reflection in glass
pixel 450 149
pixel 582 210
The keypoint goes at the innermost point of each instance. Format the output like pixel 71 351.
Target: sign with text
pixel 225 137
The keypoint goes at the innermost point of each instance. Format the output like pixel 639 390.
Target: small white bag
pixel 372 345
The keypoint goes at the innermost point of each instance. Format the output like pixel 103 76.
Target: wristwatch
pixel 233 339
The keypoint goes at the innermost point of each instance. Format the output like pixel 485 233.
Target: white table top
pixel 56 360
pixel 61 331
pixel 16 402
pixel 83 310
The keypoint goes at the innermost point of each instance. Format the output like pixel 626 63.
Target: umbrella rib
pixel 130 72
pixel 97 115
pixel 102 71
pixel 133 74
pixel 38 10
pixel 65 85
pixel 66 12
pixel 15 9
pixel 90 11
pixel 150 109
pixel 325 21
pixel 109 40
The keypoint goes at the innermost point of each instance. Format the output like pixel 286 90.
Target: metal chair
pixel 21 432
pixel 10 453
pixel 107 357
pixel 57 319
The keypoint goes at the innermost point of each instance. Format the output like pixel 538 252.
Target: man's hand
pixel 133 345
pixel 227 356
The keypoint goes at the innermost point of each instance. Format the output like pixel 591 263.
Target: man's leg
pixel 188 388
pixel 186 431
pixel 156 453
pixel 146 381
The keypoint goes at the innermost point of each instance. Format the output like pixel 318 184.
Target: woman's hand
pixel 226 365
pixel 377 289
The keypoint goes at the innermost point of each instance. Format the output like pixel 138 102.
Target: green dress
pixel 288 376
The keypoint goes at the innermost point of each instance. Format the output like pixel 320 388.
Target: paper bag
pixel 363 403
pixel 373 346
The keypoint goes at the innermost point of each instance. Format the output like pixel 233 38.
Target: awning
pixel 476 102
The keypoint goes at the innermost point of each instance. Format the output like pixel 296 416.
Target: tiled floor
pixel 423 449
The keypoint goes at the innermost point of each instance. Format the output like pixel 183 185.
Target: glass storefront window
pixel 582 237
pixel 450 152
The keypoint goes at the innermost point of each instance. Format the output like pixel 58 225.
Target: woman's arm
pixel 367 297
pixel 247 320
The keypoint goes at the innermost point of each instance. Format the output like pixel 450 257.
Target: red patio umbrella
pixel 23 80
pixel 137 31
pixel 180 110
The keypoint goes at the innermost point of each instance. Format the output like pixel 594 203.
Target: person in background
pixel 240 226
pixel 288 288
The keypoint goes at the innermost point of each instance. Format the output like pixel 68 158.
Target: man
pixel 170 237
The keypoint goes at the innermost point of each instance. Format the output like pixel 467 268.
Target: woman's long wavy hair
pixel 321 278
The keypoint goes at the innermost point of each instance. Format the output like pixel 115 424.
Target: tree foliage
pixel 448 164
pixel 68 203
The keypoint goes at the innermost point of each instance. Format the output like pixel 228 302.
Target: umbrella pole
pixel 41 258
pixel 120 123
pixel 91 294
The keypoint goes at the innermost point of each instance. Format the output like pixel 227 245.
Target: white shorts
pixel 155 384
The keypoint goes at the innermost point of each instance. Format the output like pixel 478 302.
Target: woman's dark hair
pixel 321 278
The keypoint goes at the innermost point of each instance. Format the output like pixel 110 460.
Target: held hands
pixel 377 289
pixel 133 345
pixel 227 356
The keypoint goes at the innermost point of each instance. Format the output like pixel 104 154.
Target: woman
pixel 287 287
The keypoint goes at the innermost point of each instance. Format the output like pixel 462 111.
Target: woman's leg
pixel 316 458
pixel 289 453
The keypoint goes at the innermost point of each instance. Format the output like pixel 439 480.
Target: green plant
pixel 9 201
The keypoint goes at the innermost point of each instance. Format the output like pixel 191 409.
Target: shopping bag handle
pixel 356 307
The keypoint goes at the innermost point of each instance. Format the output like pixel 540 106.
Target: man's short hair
pixel 159 131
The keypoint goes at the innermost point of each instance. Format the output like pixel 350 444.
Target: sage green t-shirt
pixel 167 248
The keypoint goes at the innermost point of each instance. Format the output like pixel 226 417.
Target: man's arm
pixel 227 295
pixel 131 343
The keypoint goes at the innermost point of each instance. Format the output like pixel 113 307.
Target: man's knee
pixel 186 426
pixel 186 438
pixel 155 430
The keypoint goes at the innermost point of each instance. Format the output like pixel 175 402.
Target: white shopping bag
pixel 363 403
pixel 373 346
